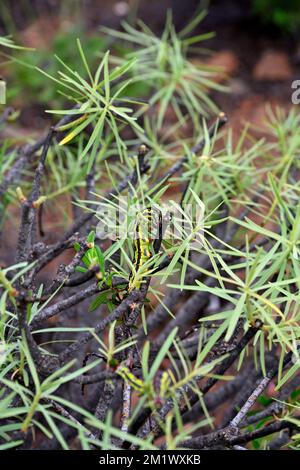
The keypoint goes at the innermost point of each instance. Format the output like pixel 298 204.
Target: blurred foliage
pixel 27 81
pixel 281 13
pixel 164 63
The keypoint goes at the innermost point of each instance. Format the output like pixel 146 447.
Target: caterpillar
pixel 144 248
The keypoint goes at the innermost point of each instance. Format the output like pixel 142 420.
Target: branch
pixel 230 436
pixel 28 210
pixel 190 395
pixel 135 297
pixel 236 421
pixel 49 312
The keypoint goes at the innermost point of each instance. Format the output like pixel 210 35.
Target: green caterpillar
pixel 144 248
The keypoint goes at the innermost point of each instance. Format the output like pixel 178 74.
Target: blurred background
pixel 255 46
pixel 257 43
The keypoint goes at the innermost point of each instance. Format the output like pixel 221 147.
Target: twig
pixel 63 305
pixel 236 421
pixel 191 396
pixel 276 407
pixel 28 210
pixel 126 406
pixel 63 412
pixel 134 297
pixel 230 437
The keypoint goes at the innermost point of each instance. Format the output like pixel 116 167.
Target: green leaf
pixel 235 316
pixel 91 237
pixel 98 301
pixel 161 354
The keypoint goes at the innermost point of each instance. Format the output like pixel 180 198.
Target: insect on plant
pixel 165 279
